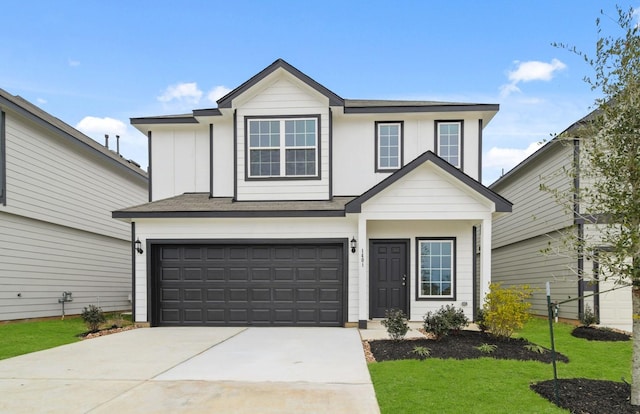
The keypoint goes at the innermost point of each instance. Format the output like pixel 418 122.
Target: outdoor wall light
pixel 139 246
pixel 353 244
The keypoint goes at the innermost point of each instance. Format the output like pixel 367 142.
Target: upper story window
pixel 449 141
pixel 283 147
pixel 388 146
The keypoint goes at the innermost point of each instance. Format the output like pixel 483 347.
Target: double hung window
pixel 436 268
pixel 388 146
pixel 449 142
pixel 283 147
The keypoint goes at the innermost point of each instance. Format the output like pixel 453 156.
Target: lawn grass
pixel 17 338
pixel 495 386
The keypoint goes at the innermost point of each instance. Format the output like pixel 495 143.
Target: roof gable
pixel 227 100
pixel 501 204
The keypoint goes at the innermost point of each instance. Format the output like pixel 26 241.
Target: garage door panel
pixel 250 285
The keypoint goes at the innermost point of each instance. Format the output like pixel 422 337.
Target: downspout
pixel 150 166
pixel 210 160
pixel 133 272
pixel 474 272
pixel 579 225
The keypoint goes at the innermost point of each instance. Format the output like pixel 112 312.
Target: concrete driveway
pixel 194 370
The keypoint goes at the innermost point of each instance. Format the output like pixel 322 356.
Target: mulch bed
pixel 599 334
pixel 103 332
pixel 461 345
pixel 586 396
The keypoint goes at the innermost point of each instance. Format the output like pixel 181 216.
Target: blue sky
pixel 96 64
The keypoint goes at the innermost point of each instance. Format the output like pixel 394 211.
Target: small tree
pixel 93 317
pixel 506 309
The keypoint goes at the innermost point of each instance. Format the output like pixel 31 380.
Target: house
pixel 57 190
pixel 289 205
pixel 537 224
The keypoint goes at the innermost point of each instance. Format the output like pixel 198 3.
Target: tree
pixel 609 164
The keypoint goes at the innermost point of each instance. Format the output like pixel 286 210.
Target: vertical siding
pixel 522 263
pixel 40 260
pixel 48 179
pixel 223 158
pixel 282 97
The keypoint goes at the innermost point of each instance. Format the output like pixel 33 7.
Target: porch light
pixel 353 244
pixel 139 246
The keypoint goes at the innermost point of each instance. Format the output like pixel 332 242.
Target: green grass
pixel 17 338
pixel 495 386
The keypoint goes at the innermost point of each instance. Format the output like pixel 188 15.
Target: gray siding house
pixel 536 223
pixel 57 190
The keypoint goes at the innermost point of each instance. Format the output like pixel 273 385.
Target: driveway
pixel 194 370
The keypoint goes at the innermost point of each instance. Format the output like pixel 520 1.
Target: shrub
pixel 588 317
pixel 446 319
pixel 486 348
pixel 482 324
pixel 93 317
pixel 422 352
pixel 396 323
pixel 535 348
pixel 506 309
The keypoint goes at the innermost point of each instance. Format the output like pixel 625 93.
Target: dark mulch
pixel 599 334
pixel 461 346
pixel 586 396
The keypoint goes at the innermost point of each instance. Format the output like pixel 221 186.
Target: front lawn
pixel 495 386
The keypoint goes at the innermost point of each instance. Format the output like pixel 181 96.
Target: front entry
pixel 388 276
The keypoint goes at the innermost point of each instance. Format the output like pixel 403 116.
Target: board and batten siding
pixel 409 229
pixel 521 263
pixel 283 95
pixel 50 180
pixel 40 260
pixel 535 212
pixel 264 229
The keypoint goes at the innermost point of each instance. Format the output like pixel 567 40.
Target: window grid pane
pixel 449 142
pixel 388 146
pixel 436 269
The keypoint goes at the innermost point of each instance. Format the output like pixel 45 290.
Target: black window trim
pixel 437 138
pixel 454 269
pixel 316 177
pixel 400 149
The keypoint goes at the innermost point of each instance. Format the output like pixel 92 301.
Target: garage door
pixel 213 285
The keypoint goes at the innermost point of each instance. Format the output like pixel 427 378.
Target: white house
pixel 576 279
pixel 58 188
pixel 289 205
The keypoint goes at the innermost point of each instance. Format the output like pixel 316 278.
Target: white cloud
pixel 532 70
pixel 41 101
pixel 217 93
pixel 187 93
pixel 93 126
pixel 74 63
pixel 508 158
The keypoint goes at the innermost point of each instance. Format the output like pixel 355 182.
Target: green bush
pixel 445 320
pixel 396 323
pixel 93 317
pixel 588 317
pixel 506 309
pixel 482 324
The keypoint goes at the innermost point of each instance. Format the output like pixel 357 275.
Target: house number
pixel 362 257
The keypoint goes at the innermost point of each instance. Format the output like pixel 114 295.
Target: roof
pixel 355 106
pixel 48 121
pixel 501 203
pixel 201 205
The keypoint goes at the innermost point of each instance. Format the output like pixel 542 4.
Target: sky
pixel 96 64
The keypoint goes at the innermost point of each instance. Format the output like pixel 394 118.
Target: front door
pixel 388 277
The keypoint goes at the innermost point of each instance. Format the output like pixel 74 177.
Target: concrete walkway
pixel 194 370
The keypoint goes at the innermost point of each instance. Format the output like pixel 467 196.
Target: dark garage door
pixel 213 285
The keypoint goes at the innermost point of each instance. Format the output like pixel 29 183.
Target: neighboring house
pixel 289 205
pixel 58 188
pixel 537 223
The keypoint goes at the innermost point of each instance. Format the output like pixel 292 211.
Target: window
pixel 3 165
pixel 449 142
pixel 294 140
pixel 436 268
pixel 388 146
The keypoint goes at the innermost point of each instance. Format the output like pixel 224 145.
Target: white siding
pixel 283 95
pixel 246 228
pixel 461 230
pixel 51 180
pixel 535 212
pixel 40 260
pixel 180 161
pixel 222 158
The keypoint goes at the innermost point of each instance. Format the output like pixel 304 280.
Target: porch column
pixel 363 273
pixel 485 259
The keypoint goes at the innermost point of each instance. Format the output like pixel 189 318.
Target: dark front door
pixel 388 278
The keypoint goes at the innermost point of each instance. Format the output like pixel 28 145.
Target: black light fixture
pixel 139 246
pixel 353 244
